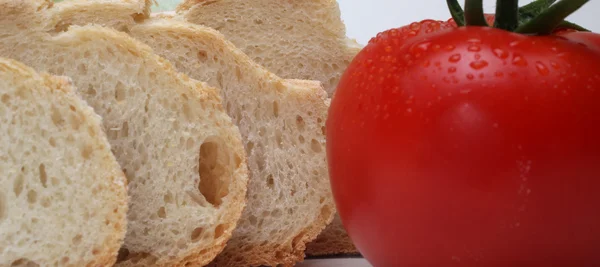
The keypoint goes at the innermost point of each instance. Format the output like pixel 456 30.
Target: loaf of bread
pixel 293 39
pixel 63 196
pixel 181 152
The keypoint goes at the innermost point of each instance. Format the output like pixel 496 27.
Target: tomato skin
pixel 469 147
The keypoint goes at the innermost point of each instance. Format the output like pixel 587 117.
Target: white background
pixel 365 18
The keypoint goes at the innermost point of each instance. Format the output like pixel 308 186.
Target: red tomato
pixel 469 146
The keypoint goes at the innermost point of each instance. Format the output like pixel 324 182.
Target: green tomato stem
pixel 457 12
pixel 474 13
pixel 507 14
pixel 549 19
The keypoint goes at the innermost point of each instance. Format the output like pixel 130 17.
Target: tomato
pixel 469 146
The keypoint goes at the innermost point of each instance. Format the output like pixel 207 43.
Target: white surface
pixel 335 263
pixel 365 18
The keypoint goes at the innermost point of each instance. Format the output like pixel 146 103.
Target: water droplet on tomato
pixel 499 74
pixel 500 53
pixel 386 116
pixel 474 48
pixel 554 65
pixel 541 68
pixel 388 49
pixel 495 125
pixel 415 26
pixel 470 76
pixel 436 47
pixel 478 65
pixel 425 63
pixel 474 41
pixel 409 110
pixel 451 70
pixel 454 58
pixel 518 60
pixel 450 48
pixel 514 43
pixel 424 46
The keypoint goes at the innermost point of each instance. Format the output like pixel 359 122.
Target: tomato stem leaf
pixel 474 13
pixel 457 12
pixel 550 18
pixel 507 14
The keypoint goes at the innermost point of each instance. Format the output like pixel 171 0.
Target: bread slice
pixel 293 39
pixel 180 151
pixel 63 196
pixel 282 123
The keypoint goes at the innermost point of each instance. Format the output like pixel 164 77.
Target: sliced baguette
pixel 282 123
pixel 293 39
pixel 182 155
pixel 63 196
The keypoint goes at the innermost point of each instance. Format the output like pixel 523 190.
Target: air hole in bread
pixel 258 21
pixel 252 219
pixel 5 99
pixel 279 138
pixel 301 139
pixel 280 256
pixel 91 91
pixel 61 27
pixel 120 92
pixel 57 118
pixel 168 198
pixel 138 17
pixel 81 69
pixel 315 146
pixel 262 131
pixel 162 213
pixel 275 108
pixel 202 56
pixel 77 239
pixel 3 212
pixel 43 175
pixel 220 230
pixel 249 147
pixel 195 236
pixel 300 123
pixel 220 79
pixel 187 112
pixel 18 185
pixel 31 197
pixel 24 262
pixel 323 130
pixel 270 181
pixel 215 171
pixel 86 151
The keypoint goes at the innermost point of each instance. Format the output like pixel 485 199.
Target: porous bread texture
pixel 283 127
pixel 63 196
pixel 293 39
pixel 180 151
pixel 334 240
